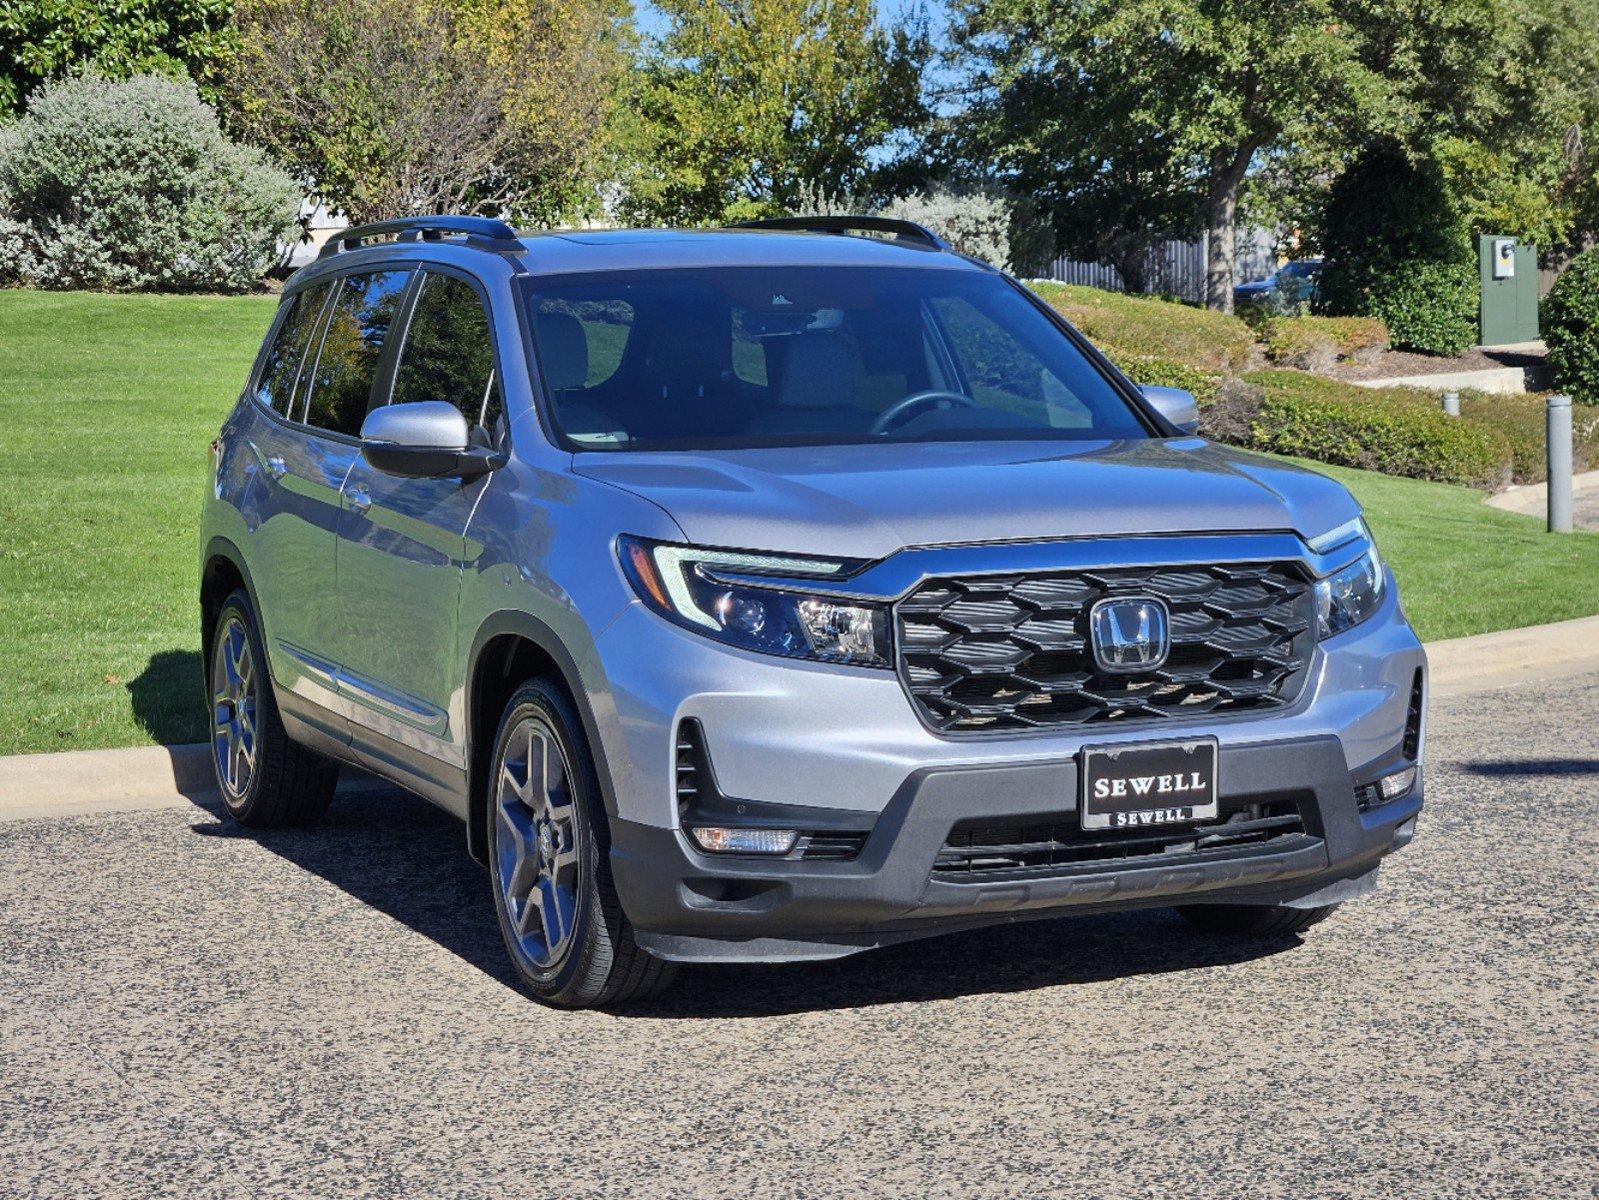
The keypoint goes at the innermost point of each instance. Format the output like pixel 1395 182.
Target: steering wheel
pixel 936 397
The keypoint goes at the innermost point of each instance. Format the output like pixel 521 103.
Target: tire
pixel 1254 920
pixel 549 861
pixel 267 780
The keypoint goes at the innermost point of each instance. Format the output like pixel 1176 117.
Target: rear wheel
pixel 266 779
pixel 1254 920
pixel 548 842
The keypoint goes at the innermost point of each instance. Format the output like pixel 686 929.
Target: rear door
pixel 402 545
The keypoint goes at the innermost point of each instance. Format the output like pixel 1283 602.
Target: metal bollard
pixel 1451 404
pixel 1559 464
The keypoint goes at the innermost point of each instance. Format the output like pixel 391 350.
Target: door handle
pixel 276 467
pixel 360 499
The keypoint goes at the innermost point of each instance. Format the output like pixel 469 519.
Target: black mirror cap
pixel 419 462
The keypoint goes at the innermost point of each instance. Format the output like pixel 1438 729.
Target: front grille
pixel 980 849
pixel 1008 652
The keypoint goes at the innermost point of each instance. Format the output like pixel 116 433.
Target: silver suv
pixel 779 592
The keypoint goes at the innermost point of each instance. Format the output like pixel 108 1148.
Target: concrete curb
pixel 121 780
pixel 152 777
pixel 1502 381
pixel 1532 499
pixel 1485 661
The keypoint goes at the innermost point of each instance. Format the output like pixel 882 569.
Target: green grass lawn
pixel 107 405
pixel 1466 568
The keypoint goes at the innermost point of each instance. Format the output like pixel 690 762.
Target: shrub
pixel 1391 431
pixel 1428 306
pixel 132 187
pixel 1315 343
pixel 1520 419
pixel 975 223
pixel 1164 372
pixel 1132 327
pixel 1300 342
pixel 1570 319
pixel 1398 248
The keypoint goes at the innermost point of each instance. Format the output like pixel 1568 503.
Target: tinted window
pixel 275 385
pixel 347 362
pixel 767 356
pixel 449 352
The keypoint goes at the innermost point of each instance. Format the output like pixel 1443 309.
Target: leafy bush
pixel 1129 328
pixel 975 223
pixel 1570 319
pixel 1428 306
pixel 1391 431
pixel 1520 419
pixel 1315 343
pixel 133 187
pixel 1164 372
pixel 1397 247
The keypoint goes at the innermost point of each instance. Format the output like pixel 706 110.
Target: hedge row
pixel 1316 343
pixel 1521 420
pixel 1132 328
pixel 1391 431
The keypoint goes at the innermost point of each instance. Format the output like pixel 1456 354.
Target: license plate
pixel 1148 783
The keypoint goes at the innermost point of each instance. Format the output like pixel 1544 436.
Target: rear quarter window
pixel 274 387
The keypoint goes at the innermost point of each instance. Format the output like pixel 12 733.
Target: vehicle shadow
pixel 167 697
pixel 407 859
pixel 1509 768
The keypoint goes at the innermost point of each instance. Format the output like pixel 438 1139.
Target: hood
pixel 869 501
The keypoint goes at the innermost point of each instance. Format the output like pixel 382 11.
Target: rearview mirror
pixel 427 439
pixel 1175 405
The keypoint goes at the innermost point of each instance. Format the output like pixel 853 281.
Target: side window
pixel 274 387
pixel 352 343
pixel 449 352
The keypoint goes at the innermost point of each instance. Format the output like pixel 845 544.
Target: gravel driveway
pixel 186 1010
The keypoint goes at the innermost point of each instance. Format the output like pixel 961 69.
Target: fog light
pixel 744 841
pixel 1396 785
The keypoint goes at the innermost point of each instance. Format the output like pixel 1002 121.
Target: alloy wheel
pixel 234 696
pixel 538 858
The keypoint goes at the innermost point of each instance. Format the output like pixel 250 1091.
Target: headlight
pixel 1346 598
pixel 690 586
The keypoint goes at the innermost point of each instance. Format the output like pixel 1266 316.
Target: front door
pixel 402 547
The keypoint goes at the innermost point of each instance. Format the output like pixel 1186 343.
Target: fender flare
pixel 224 548
pixel 529 627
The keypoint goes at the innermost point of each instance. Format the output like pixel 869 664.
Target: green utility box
pixel 1509 290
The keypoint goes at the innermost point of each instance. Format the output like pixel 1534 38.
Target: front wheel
pixel 1254 920
pixel 548 842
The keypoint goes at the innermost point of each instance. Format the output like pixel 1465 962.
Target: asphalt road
pixel 188 1010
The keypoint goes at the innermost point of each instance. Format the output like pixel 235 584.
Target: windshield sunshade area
pixel 773 356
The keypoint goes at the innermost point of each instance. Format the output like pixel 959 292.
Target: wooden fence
pixel 1176 268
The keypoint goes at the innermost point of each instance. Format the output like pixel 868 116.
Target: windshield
pixel 774 356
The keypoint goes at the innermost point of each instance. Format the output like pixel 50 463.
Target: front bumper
pixel 691 906
pixel 845 745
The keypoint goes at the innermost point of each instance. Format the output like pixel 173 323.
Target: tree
pixel 1171 97
pixel 742 104
pixel 415 106
pixel 41 40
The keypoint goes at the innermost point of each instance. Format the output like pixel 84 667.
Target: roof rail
pixel 903 231
pixel 485 233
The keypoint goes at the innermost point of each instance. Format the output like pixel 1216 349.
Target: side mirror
pixel 1175 405
pixel 428 439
